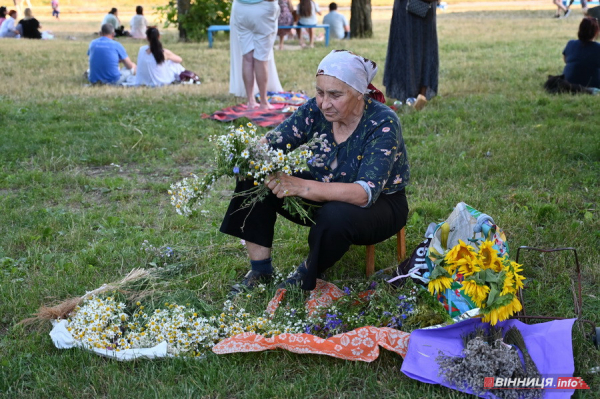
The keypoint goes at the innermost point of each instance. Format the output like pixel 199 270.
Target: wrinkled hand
pixel 283 185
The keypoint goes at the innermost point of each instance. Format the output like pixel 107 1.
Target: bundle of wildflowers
pixel 371 304
pixel 103 323
pixel 241 154
pixel 489 280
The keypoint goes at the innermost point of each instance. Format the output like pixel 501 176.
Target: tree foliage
pixel 193 18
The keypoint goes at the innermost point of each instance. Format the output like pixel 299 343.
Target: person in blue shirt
pixel 105 55
pixel 357 178
pixel 338 24
pixel 582 57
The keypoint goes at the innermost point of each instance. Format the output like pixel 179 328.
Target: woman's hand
pixel 283 185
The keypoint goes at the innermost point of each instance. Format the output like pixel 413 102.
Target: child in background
pixel 55 10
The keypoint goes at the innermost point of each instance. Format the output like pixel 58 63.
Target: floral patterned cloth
pixel 360 344
pixel 375 153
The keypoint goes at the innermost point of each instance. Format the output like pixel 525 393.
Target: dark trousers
pixel 337 225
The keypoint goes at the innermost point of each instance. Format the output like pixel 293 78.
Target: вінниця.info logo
pixel 535 383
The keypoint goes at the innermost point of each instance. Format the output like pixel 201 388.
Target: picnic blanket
pixel 284 104
pixel 360 344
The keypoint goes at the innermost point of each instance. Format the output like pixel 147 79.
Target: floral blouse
pixel 374 156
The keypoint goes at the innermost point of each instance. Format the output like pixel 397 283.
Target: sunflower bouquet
pixel 490 281
pixel 242 154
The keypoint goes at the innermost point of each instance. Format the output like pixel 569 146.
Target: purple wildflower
pixel 229 157
pixel 347 290
pixel 236 170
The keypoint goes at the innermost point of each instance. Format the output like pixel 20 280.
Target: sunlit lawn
pixel 71 220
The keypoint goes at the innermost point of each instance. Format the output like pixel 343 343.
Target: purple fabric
pixel 549 344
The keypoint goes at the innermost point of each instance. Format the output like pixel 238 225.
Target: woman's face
pixel 336 100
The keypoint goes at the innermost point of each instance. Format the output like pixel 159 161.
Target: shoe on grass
pixel 421 102
pixel 296 278
pixel 251 280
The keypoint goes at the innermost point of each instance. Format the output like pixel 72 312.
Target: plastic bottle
pixel 411 101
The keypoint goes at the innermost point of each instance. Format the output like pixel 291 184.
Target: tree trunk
pixel 183 6
pixel 361 25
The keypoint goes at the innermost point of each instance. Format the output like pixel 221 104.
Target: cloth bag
pixel 418 7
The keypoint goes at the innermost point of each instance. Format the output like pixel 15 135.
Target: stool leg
pixel 370 260
pixel 401 243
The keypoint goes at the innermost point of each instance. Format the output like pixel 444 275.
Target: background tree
pixel 361 25
pixel 183 7
pixel 193 17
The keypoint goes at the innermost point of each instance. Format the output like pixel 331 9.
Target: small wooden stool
pixel 401 244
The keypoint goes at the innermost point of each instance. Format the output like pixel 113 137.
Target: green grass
pixel 70 221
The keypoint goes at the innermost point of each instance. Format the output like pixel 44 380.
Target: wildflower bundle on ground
pixel 110 321
pixel 102 323
pixel 241 154
pixel 490 281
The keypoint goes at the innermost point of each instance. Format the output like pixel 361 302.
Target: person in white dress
pixel 138 24
pixel 236 82
pixel 157 66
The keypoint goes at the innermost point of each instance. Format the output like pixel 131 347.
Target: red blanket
pixel 265 118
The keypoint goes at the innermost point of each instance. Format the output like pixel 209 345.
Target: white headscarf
pixel 356 71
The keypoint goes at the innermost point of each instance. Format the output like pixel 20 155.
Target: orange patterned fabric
pixel 360 344
pixel 323 296
pixel 274 303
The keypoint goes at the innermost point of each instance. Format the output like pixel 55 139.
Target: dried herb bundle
pixel 486 354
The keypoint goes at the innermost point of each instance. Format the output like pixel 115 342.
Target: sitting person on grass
pixel 157 66
pixel 30 26
pixel 338 24
pixel 138 24
pixel 112 18
pixel 9 26
pixel 105 55
pixel 358 181
pixel 2 14
pixel 582 57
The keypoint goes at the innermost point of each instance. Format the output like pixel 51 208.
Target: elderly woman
pixel 359 185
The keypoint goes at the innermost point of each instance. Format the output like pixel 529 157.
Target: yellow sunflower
pixel 460 251
pixel 468 267
pixel 489 256
pixel 477 293
pixel 509 282
pixel 439 284
pixel 503 313
pixel 517 269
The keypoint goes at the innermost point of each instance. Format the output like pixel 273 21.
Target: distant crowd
pixel 411 69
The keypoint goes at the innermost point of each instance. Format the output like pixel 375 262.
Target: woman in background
pixel 30 26
pixel 138 24
pixel 412 62
pixel 307 11
pixel 582 57
pixel 236 82
pixel 285 18
pixel 157 66
pixel 8 28
pixel 2 14
pixel 113 18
